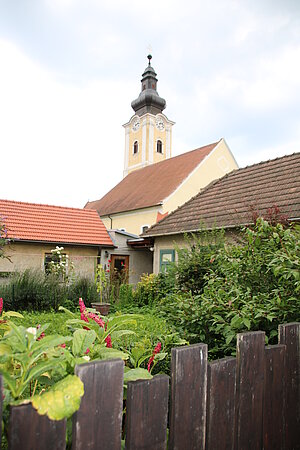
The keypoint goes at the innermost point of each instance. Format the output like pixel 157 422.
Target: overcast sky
pixel 69 70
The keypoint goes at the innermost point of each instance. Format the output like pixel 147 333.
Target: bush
pixel 252 286
pixel 33 290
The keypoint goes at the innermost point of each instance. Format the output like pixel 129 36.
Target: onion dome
pixel 148 100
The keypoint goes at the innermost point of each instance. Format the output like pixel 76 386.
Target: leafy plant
pixel 250 286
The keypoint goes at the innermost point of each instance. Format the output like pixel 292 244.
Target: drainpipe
pixel 111 221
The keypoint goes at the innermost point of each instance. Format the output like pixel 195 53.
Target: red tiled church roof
pixel 150 185
pixel 55 224
pixel 233 199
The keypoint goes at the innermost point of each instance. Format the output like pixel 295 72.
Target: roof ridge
pixel 270 160
pixel 175 157
pixel 229 175
pixel 44 204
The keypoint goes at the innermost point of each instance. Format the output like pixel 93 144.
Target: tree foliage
pixel 251 286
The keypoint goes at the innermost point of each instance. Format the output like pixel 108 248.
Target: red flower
pixel 108 341
pixel 62 345
pixel 96 319
pixel 109 260
pixel 81 305
pixel 87 351
pixel 1 304
pixel 156 350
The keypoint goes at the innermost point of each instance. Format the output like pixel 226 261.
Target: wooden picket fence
pixel 243 403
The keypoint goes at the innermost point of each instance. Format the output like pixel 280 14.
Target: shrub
pixel 33 290
pixel 252 286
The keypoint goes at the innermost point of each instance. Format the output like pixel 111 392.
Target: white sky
pixel 69 70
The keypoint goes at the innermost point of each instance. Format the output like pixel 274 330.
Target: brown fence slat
pixel 289 335
pixel 273 409
pixel 188 397
pixel 98 422
pixel 221 378
pixel 30 431
pixel 147 413
pixel 249 390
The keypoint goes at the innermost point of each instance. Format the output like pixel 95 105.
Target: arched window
pixel 135 147
pixel 159 146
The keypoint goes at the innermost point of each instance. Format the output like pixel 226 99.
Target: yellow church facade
pixel 155 183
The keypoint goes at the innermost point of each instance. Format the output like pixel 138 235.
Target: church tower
pixel 148 134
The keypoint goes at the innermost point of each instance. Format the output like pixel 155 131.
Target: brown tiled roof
pixel 151 185
pixel 55 224
pixel 231 200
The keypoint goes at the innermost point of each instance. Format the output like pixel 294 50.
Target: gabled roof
pixel 233 199
pixel 150 185
pixel 55 224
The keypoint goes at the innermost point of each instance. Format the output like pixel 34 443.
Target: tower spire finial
pixel 149 57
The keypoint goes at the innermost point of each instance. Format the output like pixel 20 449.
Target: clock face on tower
pixel 136 125
pixel 160 124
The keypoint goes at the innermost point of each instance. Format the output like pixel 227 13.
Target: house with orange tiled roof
pixel 262 190
pixel 34 230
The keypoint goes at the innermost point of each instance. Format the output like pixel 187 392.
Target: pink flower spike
pixel 150 362
pixel 157 348
pixel 96 319
pixel 63 345
pixel 1 305
pixel 81 305
pixel 108 341
pixel 83 317
pixel 87 351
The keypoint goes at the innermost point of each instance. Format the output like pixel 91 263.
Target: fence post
pixel 147 413
pixel 249 390
pixel 289 335
pixel 188 397
pixel 274 402
pixel 98 422
pixel 221 376
pixel 28 430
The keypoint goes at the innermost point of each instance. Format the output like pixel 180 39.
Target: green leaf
pixel 137 374
pixel 62 400
pixel 117 334
pixel 61 308
pixel 12 314
pixel 42 367
pixel 111 353
pixel 247 323
pixel 82 340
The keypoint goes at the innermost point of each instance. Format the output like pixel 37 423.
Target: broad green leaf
pixel 62 400
pixel 120 333
pixel 61 308
pixel 41 367
pixel 111 353
pixel 247 323
pixel 12 314
pixel 82 340
pixel 10 381
pixel 137 374
pixel 47 343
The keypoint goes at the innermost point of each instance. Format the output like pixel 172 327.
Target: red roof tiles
pixel 232 200
pixel 57 224
pixel 151 185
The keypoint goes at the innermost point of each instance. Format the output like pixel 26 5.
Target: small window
pixel 145 228
pixel 49 260
pixel 135 147
pixel 159 146
pixel 166 258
